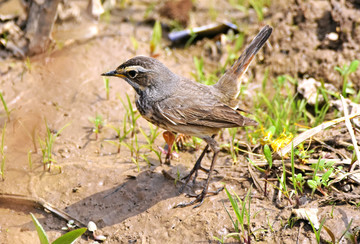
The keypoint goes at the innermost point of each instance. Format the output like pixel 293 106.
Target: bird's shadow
pixel 132 197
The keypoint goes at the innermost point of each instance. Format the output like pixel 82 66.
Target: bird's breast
pixel 147 111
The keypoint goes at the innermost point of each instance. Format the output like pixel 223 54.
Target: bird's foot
pixel 199 198
pixel 193 171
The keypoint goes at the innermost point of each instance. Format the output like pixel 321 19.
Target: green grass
pixel 7 111
pixel 47 145
pixel 319 182
pixel 345 72
pixel 131 115
pixel 98 123
pixel 131 128
pixel 257 5
pixel 107 87
pixel 3 158
pixel 241 209
pixel 155 38
pixel 283 109
pixel 120 134
pixel 69 237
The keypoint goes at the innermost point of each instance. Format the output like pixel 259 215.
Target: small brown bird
pixel 180 105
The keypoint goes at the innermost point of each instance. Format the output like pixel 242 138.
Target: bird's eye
pixel 132 73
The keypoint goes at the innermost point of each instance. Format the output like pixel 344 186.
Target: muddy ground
pixel 97 184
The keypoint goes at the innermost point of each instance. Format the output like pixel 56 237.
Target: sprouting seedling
pixel 69 237
pixel 318 229
pixel 193 36
pixel 155 38
pixel 5 106
pixel 199 66
pixel 345 71
pixel 134 148
pixel 150 139
pixel 120 136
pixel 297 179
pixel 241 209
pixel 258 6
pixel 268 157
pixel 2 168
pixel 47 144
pixel 98 124
pixel 317 182
pixel 232 147
pixel 134 43
pixel 132 116
pixel 107 88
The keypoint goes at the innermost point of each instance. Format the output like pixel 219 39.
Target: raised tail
pixel 229 83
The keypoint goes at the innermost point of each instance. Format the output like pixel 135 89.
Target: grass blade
pixel 70 237
pixel 40 230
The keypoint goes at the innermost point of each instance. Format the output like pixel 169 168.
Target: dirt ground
pixel 96 183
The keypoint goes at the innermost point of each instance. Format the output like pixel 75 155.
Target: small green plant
pixel 298 180
pixel 135 148
pixel 98 123
pixel 345 72
pixel 317 231
pixel 282 109
pixel 193 36
pixel 268 157
pixel 7 111
pixel 150 139
pixel 200 76
pixel 283 186
pixel 258 6
pixel 47 144
pixel 317 182
pixel 107 87
pixel 69 237
pixel 120 134
pixel 193 143
pixel 241 224
pixel 155 38
pixel 232 147
pixel 131 115
pixel 134 43
pixel 2 167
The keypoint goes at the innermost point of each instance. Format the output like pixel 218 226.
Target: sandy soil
pixel 64 86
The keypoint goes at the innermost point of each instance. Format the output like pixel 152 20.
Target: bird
pixel 181 105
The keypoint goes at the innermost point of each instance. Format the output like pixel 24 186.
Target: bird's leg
pixel 197 166
pixel 170 139
pixel 200 198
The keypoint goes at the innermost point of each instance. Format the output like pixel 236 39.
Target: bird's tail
pixel 229 83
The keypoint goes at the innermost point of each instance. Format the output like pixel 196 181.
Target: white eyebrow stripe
pixel 137 68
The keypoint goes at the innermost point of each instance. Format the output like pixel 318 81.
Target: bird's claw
pixel 188 176
pixel 199 198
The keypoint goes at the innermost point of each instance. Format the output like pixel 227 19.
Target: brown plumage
pixel 180 105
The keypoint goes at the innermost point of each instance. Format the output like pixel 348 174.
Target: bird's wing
pixel 214 116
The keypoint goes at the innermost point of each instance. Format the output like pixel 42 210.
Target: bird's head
pixel 141 72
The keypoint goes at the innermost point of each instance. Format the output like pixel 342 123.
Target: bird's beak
pixel 113 73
